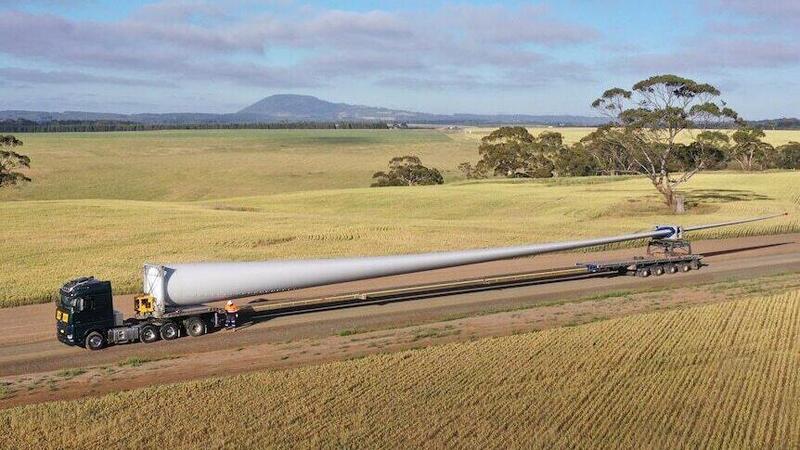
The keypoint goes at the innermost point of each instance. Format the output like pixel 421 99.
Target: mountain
pixel 305 107
pixel 302 108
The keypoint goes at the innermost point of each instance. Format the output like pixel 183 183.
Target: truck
pixel 86 317
pixel 174 297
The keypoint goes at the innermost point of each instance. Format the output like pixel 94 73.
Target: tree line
pixel 60 126
pixel 652 131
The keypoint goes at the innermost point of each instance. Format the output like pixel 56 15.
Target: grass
pixel 715 376
pixel 105 203
pixel 182 165
pixel 70 373
pixel 350 332
pixel 134 361
pixel 188 165
pixel 48 242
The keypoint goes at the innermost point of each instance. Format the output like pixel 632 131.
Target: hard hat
pixel 230 302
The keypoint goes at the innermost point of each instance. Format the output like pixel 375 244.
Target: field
pixel 717 376
pixel 105 203
pixel 201 165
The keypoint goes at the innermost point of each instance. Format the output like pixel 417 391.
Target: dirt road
pixel 28 344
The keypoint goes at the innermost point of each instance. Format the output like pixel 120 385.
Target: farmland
pixel 711 376
pixel 105 203
pixel 211 164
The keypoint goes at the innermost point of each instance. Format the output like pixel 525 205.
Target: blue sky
pixel 431 56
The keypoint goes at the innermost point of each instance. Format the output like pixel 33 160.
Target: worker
pixel 231 314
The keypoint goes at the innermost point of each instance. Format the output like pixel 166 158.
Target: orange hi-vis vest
pixel 231 308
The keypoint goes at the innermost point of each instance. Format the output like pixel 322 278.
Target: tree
pixel 505 151
pixel 749 150
pixel 514 152
pixel 407 171
pixel 647 120
pixel 575 161
pixel 710 148
pixel 471 172
pixel 603 144
pixel 789 156
pixel 11 161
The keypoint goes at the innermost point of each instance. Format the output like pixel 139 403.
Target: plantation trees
pixel 407 171
pixel 646 123
pixel 11 161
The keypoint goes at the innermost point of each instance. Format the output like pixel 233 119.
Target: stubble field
pixel 103 204
pixel 718 376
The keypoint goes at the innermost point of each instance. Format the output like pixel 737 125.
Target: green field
pixel 719 376
pixel 105 203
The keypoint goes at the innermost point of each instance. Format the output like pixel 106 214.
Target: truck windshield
pixel 67 302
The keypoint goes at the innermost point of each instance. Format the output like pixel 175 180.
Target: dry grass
pixel 186 165
pixel 47 242
pixel 719 376
pixel 104 203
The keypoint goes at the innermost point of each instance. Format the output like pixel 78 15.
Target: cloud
pixel 529 24
pixel 194 41
pixel 716 56
pixel 15 74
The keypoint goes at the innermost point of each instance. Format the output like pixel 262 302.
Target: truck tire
pixel 684 267
pixel 659 270
pixel 170 331
pixel 671 269
pixel 695 264
pixel 644 272
pixel 148 334
pixel 195 326
pixel 95 340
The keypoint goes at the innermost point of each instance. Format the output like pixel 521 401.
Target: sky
pixel 549 57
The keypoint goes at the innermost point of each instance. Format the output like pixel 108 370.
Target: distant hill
pixel 290 108
pixel 306 107
pixel 302 108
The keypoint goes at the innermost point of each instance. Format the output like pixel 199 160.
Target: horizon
pixel 544 58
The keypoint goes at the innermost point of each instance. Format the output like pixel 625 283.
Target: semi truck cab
pixel 84 312
pixel 85 317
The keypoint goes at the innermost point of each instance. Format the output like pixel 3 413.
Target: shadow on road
pixel 745 249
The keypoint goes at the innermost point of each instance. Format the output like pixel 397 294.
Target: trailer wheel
pixel 685 267
pixel 195 326
pixel 658 270
pixel 644 272
pixel 95 341
pixel 148 334
pixel 671 268
pixel 695 264
pixel 170 331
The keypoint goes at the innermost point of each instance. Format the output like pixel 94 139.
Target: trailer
pixel 175 296
pixel 664 256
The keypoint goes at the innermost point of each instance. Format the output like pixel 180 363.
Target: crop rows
pixel 716 376
pixel 47 243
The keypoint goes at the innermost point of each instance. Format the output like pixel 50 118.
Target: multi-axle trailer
pixel 175 296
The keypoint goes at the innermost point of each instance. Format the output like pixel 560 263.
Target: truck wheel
pixel 671 268
pixel 148 334
pixel 170 331
pixel 695 264
pixel 644 272
pixel 195 327
pixel 95 341
pixel 685 267
pixel 658 271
